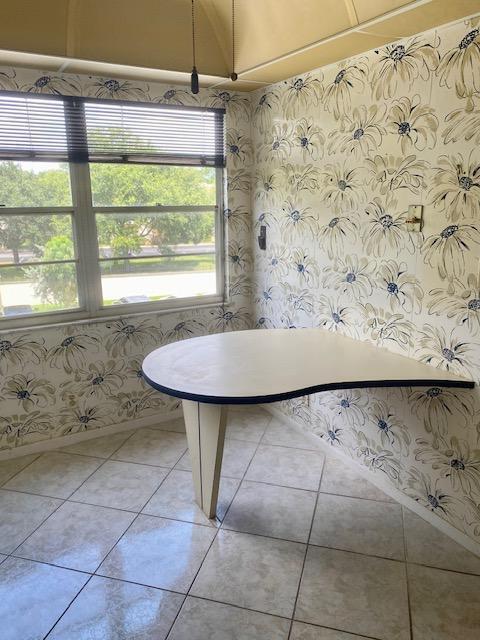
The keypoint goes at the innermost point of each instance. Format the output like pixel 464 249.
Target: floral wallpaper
pixel 339 155
pixel 73 378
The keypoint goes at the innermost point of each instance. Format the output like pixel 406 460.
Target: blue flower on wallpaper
pixel 71 352
pixel 19 351
pixel 352 275
pixel 385 232
pixel 456 186
pixel 117 89
pixel 361 134
pixel 28 391
pixel 56 85
pixel 456 461
pixel 127 336
pixel 338 232
pixel 301 92
pixel 402 290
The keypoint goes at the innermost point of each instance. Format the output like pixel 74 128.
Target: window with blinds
pixel 80 129
pixel 105 204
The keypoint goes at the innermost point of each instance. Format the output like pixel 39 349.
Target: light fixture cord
pixel 193 32
pixel 233 36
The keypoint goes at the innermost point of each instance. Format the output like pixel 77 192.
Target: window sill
pixel 105 315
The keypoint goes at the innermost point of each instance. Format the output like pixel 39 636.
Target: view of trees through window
pixel 37 248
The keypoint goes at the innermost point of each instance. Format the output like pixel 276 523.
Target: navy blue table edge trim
pixel 288 395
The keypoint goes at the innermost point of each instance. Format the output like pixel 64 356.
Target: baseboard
pixel 383 484
pixel 63 441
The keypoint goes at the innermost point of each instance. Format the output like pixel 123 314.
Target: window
pixel 107 205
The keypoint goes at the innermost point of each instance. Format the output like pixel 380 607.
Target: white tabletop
pixel 248 367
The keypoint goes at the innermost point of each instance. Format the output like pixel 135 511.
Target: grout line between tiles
pixel 306 551
pixel 410 621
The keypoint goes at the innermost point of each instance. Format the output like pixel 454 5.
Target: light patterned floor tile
pixel 427 545
pixel 302 631
pixel 341 479
pixel 54 474
pixel 9 468
pixel 281 434
pixel 121 485
pixel 355 524
pixel 102 447
pixel 115 610
pixel 153 446
pixel 204 620
pixel 175 498
pixel 251 571
pixel 355 593
pixel 159 553
pixel 286 467
pixel 247 425
pixel 279 512
pixel 21 514
pixel 445 605
pixel 33 596
pixel 76 536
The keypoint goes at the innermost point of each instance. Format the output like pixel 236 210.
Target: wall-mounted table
pixel 252 367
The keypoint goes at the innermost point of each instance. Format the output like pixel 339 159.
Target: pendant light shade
pixel 194 77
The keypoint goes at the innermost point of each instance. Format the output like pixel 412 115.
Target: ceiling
pixel 151 39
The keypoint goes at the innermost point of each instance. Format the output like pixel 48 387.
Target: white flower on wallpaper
pixel 361 132
pixel 459 65
pixel 436 406
pixel 413 124
pixel 177 95
pixel 297 220
pixel 385 232
pixel 239 256
pixel 399 65
pixel 347 81
pixel 300 177
pixel 237 105
pixel 28 391
pixel 352 275
pixel 337 233
pixel 20 350
pixel 401 289
pixel 308 139
pixel 238 147
pixel 389 172
pixel 267 185
pixel 99 380
pixel 458 301
pixel 463 124
pixel 304 266
pixel 277 261
pixel 387 329
pixel 302 93
pixel 115 89
pixel 377 458
pixel 350 406
pixel 448 350
pixel 344 187
pixel 262 109
pixel 7 80
pixel 456 461
pixel 334 314
pixel 392 432
pixel 456 186
pixel 446 250
pixel 15 429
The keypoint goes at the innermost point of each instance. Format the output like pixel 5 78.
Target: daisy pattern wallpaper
pixel 339 155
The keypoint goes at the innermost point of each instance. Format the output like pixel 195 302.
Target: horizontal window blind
pixel 85 130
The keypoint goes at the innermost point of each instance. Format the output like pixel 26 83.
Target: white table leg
pixel 205 425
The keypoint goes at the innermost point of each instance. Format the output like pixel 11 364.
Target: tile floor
pixel 103 541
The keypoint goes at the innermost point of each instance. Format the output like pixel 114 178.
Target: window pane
pixel 150 279
pixel 149 185
pixel 128 235
pixel 30 290
pixel 33 238
pixel 34 184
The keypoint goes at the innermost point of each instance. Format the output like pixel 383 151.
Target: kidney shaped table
pixel 251 367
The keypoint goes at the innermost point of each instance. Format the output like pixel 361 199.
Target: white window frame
pixel 87 257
